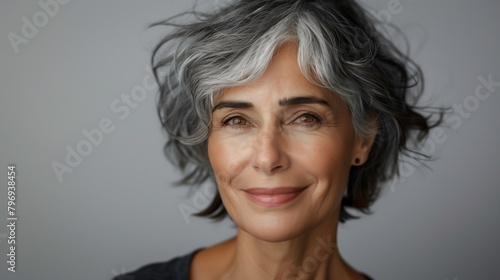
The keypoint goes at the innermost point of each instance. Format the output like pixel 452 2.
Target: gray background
pixel 117 210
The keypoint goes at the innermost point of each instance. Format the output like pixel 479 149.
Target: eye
pixel 307 119
pixel 235 122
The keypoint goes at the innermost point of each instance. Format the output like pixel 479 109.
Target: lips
pixel 272 197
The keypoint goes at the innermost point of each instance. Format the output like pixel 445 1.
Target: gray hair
pixel 339 48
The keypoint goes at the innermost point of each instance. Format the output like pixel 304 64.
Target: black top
pixel 175 269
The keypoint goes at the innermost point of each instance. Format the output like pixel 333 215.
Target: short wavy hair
pixel 339 48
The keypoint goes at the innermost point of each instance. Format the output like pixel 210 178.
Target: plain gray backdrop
pixel 117 210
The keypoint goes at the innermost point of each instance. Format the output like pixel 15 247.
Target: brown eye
pixel 306 119
pixel 235 121
pixel 238 121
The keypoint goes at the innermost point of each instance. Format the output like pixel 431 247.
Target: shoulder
pixel 174 269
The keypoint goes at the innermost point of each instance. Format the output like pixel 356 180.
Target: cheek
pixel 226 163
pixel 226 158
pixel 325 156
pixel 329 161
pixel 217 159
pixel 333 161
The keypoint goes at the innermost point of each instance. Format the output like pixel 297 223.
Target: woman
pixel 297 110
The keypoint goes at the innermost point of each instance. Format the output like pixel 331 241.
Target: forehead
pixel 282 79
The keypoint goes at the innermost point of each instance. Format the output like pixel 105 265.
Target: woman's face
pixel 281 149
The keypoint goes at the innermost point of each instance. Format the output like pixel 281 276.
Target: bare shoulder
pixel 212 262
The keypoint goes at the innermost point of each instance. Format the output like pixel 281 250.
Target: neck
pixel 311 256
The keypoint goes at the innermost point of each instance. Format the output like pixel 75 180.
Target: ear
pixel 363 145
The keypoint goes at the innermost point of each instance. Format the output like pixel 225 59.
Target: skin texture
pixel 281 131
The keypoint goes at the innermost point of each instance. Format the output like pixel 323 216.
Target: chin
pixel 277 226
pixel 289 221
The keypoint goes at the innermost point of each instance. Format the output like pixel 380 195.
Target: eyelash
pixel 316 120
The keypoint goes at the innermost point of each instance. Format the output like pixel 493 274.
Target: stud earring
pixel 356 161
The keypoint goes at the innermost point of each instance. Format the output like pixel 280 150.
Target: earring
pixel 356 161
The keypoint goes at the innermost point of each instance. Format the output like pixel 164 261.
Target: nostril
pixel 276 168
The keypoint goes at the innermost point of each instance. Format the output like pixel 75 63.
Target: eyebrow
pixel 302 100
pixel 233 104
pixel 285 102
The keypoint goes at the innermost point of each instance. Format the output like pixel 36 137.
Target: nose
pixel 270 155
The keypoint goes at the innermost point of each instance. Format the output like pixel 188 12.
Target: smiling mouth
pixel 272 197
